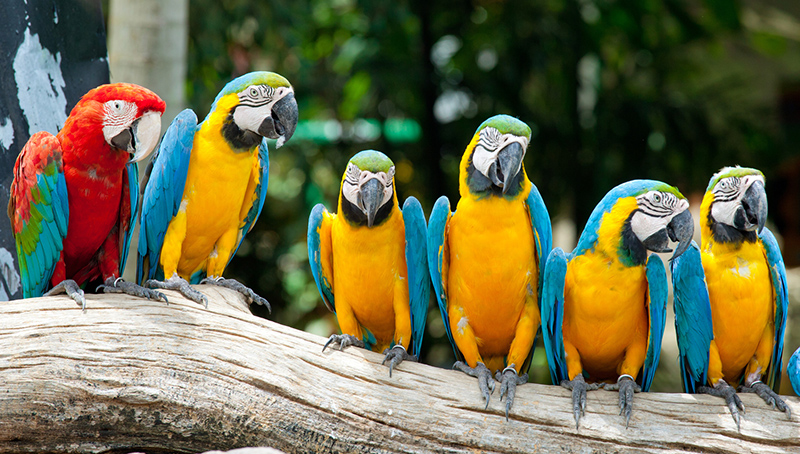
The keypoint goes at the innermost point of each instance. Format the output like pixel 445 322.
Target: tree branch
pixel 132 374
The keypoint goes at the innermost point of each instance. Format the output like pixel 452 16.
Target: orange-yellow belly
pixel 492 270
pixel 367 264
pixel 740 292
pixel 605 312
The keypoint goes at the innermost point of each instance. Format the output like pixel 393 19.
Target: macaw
pixel 487 258
pixel 369 261
pixel 604 304
pixel 793 370
pixel 730 295
pixel 207 184
pixel 74 195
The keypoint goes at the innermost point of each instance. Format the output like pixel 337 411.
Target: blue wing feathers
pixel 437 225
pixel 658 292
pixel 417 266
pixel 793 371
pixel 314 256
pixel 164 192
pixel 693 324
pixel 133 191
pixel 778 274
pixel 543 233
pixel 552 307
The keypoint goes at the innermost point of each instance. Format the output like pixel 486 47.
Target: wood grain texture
pixel 137 375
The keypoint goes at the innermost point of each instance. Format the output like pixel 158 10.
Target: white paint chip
pixel 6 133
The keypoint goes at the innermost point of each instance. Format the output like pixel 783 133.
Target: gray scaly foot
pixel 579 387
pixel 233 284
pixel 178 283
pixel 72 290
pixel 769 396
pixel 395 356
pixel 509 380
pixel 344 340
pixel 484 376
pixel 626 387
pixel 726 391
pixel 118 285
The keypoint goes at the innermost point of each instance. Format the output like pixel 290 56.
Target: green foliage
pixel 612 90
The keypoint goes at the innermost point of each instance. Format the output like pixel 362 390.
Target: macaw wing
pixel 793 371
pixel 39 211
pixel 542 234
pixel 439 260
pixel 693 324
pixel 163 193
pixel 657 305
pixel 253 211
pixel 778 273
pixel 128 211
pixel 320 252
pixel 552 307
pixel 419 286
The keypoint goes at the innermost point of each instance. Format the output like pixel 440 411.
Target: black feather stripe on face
pixel 239 139
pixel 356 217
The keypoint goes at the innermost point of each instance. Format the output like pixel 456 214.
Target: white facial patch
pixel 355 178
pixel 146 134
pixel 656 210
pixel 255 105
pixel 728 194
pixel 489 145
pixel 117 117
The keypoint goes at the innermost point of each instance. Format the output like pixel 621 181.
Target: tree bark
pixel 138 375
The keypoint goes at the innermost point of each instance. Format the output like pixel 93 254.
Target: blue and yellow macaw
pixel 604 305
pixel 730 295
pixel 793 370
pixel 369 261
pixel 207 185
pixel 486 259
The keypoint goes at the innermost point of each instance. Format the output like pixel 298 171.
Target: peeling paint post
pixel 51 53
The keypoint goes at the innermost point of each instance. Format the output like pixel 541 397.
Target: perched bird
pixel 730 295
pixel 74 196
pixel 793 370
pixel 604 305
pixel 369 261
pixel 486 259
pixel 207 185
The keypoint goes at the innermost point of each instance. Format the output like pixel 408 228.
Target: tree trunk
pixel 131 374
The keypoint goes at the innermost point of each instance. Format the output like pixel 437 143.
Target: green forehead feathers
pixel 507 124
pixel 727 172
pixel 239 84
pixel 663 187
pixel 372 160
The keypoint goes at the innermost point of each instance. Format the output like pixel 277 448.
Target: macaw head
pixel 128 114
pixel 638 216
pixel 368 196
pixel 492 162
pixel 257 104
pixel 735 204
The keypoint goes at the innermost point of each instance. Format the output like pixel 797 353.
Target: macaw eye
pixel 656 198
pixel 254 92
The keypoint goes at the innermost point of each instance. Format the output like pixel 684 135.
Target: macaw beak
pixel 507 165
pixel 141 138
pixel 681 229
pixel 752 213
pixel 282 121
pixel 370 194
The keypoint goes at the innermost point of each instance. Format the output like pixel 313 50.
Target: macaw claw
pixel 726 391
pixel 344 340
pixel 118 285
pixel 233 284
pixel 178 283
pixel 395 356
pixel 626 387
pixel 579 387
pixel 484 376
pixel 72 290
pixel 509 380
pixel 769 396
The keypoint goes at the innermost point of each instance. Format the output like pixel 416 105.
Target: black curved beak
pixel 507 165
pixel 282 121
pixel 681 229
pixel 124 141
pixel 370 196
pixel 752 214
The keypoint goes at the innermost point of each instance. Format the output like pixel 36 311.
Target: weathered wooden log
pixel 136 375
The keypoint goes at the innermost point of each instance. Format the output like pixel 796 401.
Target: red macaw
pixel 74 196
